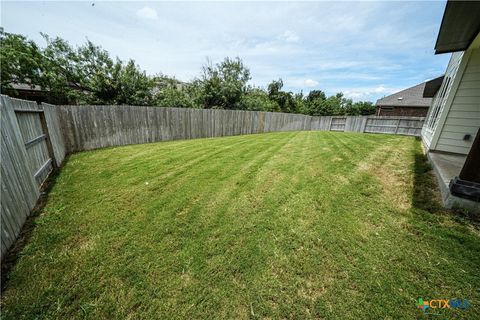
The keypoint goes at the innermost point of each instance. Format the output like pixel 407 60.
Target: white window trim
pixel 437 130
pixel 438 103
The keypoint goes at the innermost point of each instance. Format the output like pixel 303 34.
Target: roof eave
pixel 449 50
pixel 459 27
pixel 432 86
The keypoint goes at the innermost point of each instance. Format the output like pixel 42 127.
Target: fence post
pixel 261 122
pixel 364 124
pixel 398 124
pixel 48 141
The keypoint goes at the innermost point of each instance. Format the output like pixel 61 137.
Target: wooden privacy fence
pixel 36 138
pixel 31 146
pixel 92 127
pixel 411 126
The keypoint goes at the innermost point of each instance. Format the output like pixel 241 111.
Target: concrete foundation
pixel 446 167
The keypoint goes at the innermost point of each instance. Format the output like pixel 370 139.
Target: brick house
pixel 409 102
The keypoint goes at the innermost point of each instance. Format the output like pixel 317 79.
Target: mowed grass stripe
pixel 278 225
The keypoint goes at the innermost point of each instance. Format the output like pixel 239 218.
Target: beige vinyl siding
pixel 459 129
pixel 466 107
pixel 464 114
pixel 470 76
pixel 452 148
pixel 472 84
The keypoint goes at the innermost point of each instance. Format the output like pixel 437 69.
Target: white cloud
pixel 147 13
pixel 356 94
pixel 379 89
pixel 289 36
pixel 310 83
pixel 369 92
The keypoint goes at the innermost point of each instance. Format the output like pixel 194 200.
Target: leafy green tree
pixel 64 74
pixel 349 108
pixel 365 108
pixel 256 99
pixel 285 100
pixel 326 107
pixel 315 103
pixel 300 103
pixel 172 94
pixel 173 98
pixel 195 91
pixel 344 104
pixel 316 95
pixel 88 75
pixel 21 59
pixel 133 86
pixel 223 85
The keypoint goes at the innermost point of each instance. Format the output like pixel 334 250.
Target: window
pixel 442 94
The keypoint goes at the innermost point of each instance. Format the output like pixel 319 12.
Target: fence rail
pixel 36 138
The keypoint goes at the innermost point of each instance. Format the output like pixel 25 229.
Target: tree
pixel 257 99
pixel 223 85
pixel 87 74
pixel 172 94
pixel 285 100
pixel 300 103
pixel 315 103
pixel 173 98
pixel 365 108
pixel 344 105
pixel 22 61
pixel 316 95
pixel 133 86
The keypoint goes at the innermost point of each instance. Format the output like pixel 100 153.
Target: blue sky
pixel 365 49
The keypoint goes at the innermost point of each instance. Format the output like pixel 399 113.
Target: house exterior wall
pixel 441 102
pixel 463 117
pixel 406 111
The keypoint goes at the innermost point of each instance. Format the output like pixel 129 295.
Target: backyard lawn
pixel 279 225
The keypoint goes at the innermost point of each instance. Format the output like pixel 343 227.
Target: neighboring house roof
pixel 432 86
pixel 411 97
pixel 25 86
pixel 460 25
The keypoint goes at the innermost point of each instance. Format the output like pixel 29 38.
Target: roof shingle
pixel 411 97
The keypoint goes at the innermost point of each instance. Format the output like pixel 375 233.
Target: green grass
pixel 281 225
